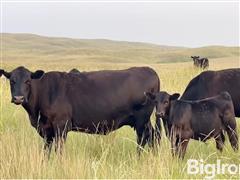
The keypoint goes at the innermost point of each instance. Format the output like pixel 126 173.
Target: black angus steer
pixel 91 102
pixel 199 120
pixel 211 83
pixel 196 63
pixel 200 62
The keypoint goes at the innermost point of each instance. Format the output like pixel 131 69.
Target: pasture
pixel 96 156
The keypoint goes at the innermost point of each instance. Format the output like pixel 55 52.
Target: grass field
pixel 95 156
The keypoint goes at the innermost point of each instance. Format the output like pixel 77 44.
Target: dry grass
pixel 95 156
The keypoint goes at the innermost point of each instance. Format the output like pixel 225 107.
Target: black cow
pixel 211 83
pixel 200 62
pixel 93 102
pixel 195 61
pixel 199 120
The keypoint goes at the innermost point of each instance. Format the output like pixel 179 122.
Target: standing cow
pixel 200 62
pixel 199 120
pixel 92 102
pixel 206 84
pixel 211 83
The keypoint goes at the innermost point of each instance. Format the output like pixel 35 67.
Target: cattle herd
pixel 99 102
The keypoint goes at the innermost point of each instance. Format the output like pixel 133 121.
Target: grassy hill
pixel 29 47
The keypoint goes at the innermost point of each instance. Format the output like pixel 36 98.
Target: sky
pixel 189 24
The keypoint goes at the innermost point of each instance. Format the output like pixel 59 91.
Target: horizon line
pixel 118 40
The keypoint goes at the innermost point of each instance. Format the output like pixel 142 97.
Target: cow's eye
pixel 165 102
pixel 28 82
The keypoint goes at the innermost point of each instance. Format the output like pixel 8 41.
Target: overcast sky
pixel 178 24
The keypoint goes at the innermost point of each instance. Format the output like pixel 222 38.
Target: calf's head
pixel 195 57
pixel 162 101
pixel 20 83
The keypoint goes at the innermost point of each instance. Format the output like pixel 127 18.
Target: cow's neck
pixel 32 105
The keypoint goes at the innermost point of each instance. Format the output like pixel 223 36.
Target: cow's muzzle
pixel 159 114
pixel 17 100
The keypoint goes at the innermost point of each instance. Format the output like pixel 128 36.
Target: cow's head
pixel 1 72
pixel 162 101
pixel 20 83
pixel 195 57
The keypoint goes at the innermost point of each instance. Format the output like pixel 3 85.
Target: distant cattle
pixel 199 120
pixel 92 102
pixel 200 62
pixel 211 83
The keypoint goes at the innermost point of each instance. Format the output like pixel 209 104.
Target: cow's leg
pixel 174 141
pixel 184 135
pixel 141 143
pixel 179 140
pixel 220 141
pixel 144 135
pixel 232 133
pixel 144 129
pixel 47 134
pixel 174 145
pixel 48 146
pixel 158 130
pixel 149 134
pixel 61 128
pixel 182 147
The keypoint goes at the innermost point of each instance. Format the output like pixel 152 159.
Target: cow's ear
pixel 175 96
pixel 6 74
pixel 1 72
pixel 150 95
pixel 37 74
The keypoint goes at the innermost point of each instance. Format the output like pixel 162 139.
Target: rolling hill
pixel 30 47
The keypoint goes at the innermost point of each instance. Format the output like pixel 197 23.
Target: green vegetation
pixel 95 156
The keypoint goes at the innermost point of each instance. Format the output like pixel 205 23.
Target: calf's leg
pixel 174 138
pixel 232 134
pixel 158 130
pixel 179 140
pixel 220 141
pixel 230 124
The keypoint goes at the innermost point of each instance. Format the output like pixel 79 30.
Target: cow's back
pixel 211 83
